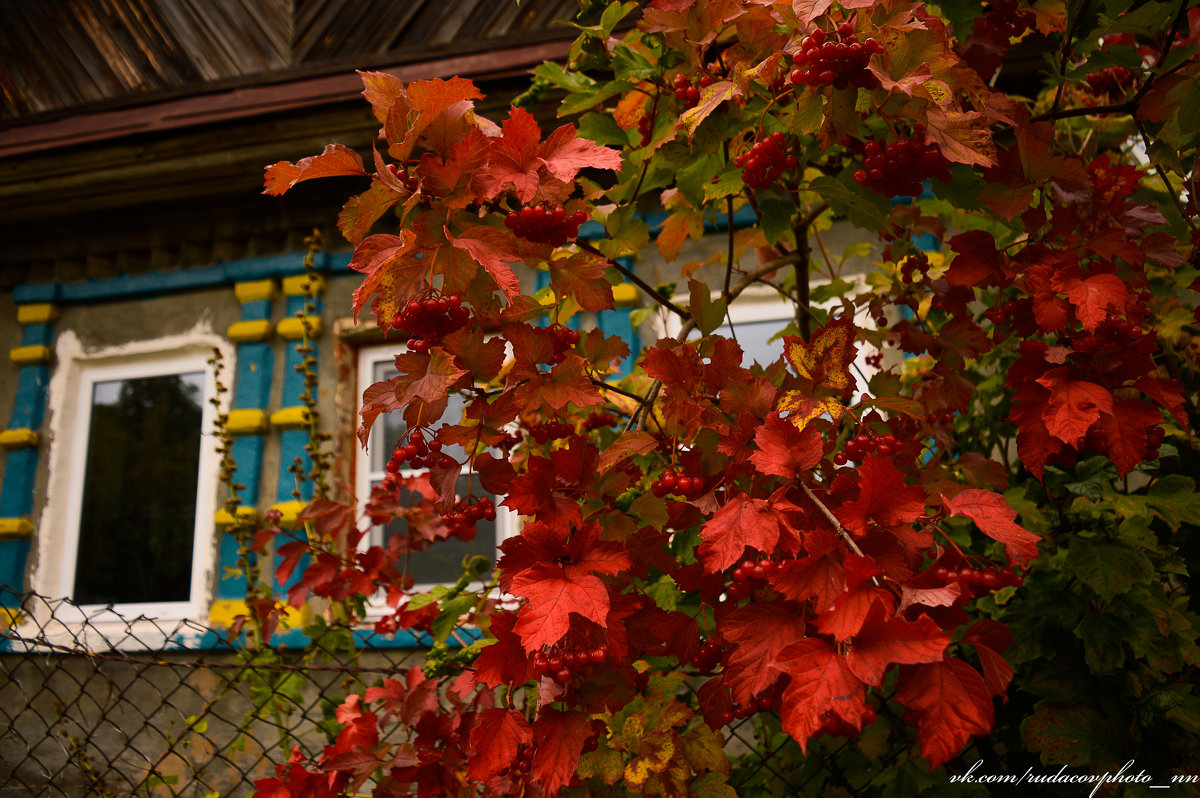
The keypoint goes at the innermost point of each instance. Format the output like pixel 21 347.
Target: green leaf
pixel 835 289
pixel 1072 735
pixel 613 15
pixel 1091 476
pixel 863 207
pixel 1107 567
pixel 602 129
pixel 705 749
pixel 604 763
pixel 665 593
pixel 707 311
pixel 448 615
pixel 628 234
pixel 564 79
pixel 1175 500
pixel 587 100
pixel 694 179
pixel 1103 635
pixel 775 217
pixel 712 785
pixel 630 65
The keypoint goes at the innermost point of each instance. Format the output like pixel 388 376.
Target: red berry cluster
pixel 562 339
pixel 466 513
pixel 430 319
pixel 551 430
pixel 899 168
pixel 763 702
pixel 418 454
pixel 874 360
pixel 914 268
pixel 863 444
pixel 748 576
pixel 599 420
pixel 646 128
pixel 1111 82
pixel 510 441
pixel 765 161
pixel 709 656
pixel 410 182
pixel 836 59
pixel 523 763
pixel 687 92
pixel 545 224
pixel 679 484
pixel 975 582
pixel 562 665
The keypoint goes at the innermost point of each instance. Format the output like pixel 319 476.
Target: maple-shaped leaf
pixel 996 519
pixel 564 154
pixel 394 271
pixel 627 444
pixel 883 641
pixel 963 137
pixel 408 700
pixel 883 498
pixel 1092 296
pixel 990 638
pixel 412 109
pixel 1125 430
pixel 802 409
pixel 819 578
pixel 336 160
pixel 495 738
pixel 742 522
pixel 494 250
pixel 711 98
pixel 559 738
pixel 784 450
pixel 825 359
pixel 362 211
pixel 504 661
pixel 553 596
pixel 950 703
pixel 427 378
pixel 756 634
pixel 848 614
pixel 1073 406
pixel 822 684
pixel 581 275
pixel 566 383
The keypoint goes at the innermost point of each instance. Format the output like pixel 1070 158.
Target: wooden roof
pixel 65 55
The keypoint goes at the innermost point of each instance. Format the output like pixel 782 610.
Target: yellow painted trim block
pixel 293 329
pixel 244 514
pixel 225 611
pixel 288 512
pixel 18 439
pixel 29 355
pixel 290 417
pixel 625 294
pixel 10 617
pixel 246 331
pixel 254 290
pixel 246 421
pixel 37 313
pixel 15 528
pixel 294 285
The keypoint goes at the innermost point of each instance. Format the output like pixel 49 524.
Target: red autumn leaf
pixel 1092 296
pixel 742 522
pixel 393 271
pixel 1125 430
pixel 564 154
pixel 850 611
pixel 883 498
pixel 566 383
pixel 996 519
pixel 581 275
pixel 494 250
pixel 962 137
pixel 808 10
pixel 337 159
pixel 821 684
pixel 553 596
pixel 819 578
pixel 504 661
pixel 1073 406
pixel 711 99
pixel 757 633
pixel 497 734
pixel 414 109
pixel 362 211
pixel 513 159
pixel 825 359
pixel 426 378
pixel 408 700
pixel 628 443
pixel 559 737
pixel 976 261
pixel 990 638
pixel 784 450
pixel 884 641
pixel 950 704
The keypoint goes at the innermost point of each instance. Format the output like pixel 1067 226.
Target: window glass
pixel 139 490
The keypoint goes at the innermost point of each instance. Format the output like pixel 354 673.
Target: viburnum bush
pixel 979 550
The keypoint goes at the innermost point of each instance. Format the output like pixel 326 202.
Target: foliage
pixel 981 550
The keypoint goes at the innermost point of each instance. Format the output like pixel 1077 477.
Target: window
pixel 442 562
pixel 134 453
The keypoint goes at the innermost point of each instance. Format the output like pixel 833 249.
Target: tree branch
pixel 638 281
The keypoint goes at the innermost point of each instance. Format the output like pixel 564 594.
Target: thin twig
pixel 638 281
pixel 1163 177
pixel 832 519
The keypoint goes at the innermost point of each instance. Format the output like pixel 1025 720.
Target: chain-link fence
pixel 94 703
pixel 98 704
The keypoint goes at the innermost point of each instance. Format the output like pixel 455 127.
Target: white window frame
pixel 71 397
pixel 507 521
